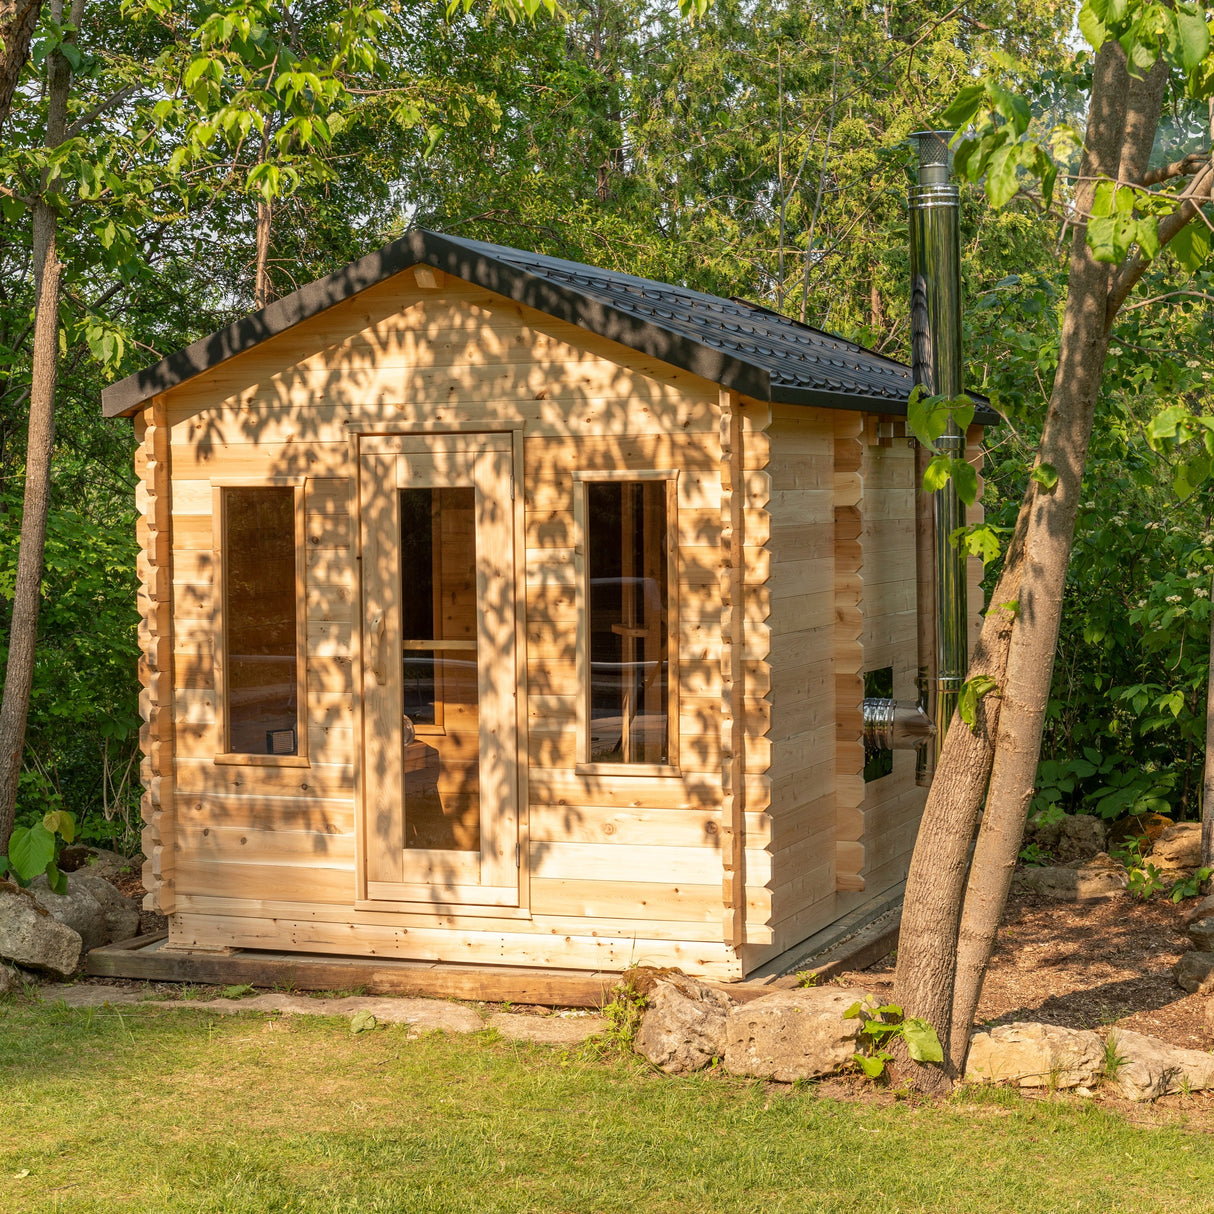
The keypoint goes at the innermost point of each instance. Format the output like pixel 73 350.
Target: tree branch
pixel 1135 267
pixel 1186 167
pixel 113 99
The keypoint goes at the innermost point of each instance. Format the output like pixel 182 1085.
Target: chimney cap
pixel 935 161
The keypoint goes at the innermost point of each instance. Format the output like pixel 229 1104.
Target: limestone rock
pixel 1179 847
pixel 1202 934
pixel 1193 969
pixel 77 908
pixel 97 862
pixel 121 914
pixel 1035 1056
pixel 31 936
pixel 1200 908
pixel 1075 837
pixel 790 1035
pixel 683 1028
pixel 1099 877
pixel 10 981
pixel 1151 1068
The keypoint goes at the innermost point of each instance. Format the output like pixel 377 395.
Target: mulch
pixel 1085 965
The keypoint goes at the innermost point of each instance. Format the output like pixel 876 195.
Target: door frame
pixel 519 908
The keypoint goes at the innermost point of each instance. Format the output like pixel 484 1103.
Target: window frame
pixel 224 755
pixel 583 764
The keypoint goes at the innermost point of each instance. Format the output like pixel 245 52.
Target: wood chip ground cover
pixel 158 1109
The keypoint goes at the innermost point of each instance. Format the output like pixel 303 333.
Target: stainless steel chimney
pixel 935 256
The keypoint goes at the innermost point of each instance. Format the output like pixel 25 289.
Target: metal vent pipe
pixel 935 256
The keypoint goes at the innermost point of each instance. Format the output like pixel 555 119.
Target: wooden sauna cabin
pixel 503 610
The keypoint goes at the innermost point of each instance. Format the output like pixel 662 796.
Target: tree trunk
pixel 935 884
pixel 263 291
pixel 1121 122
pixel 27 591
pixel 1207 781
pixel 17 21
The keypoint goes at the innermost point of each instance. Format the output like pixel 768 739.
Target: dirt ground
pixel 1086 965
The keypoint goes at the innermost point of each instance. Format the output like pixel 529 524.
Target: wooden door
pixel 439 681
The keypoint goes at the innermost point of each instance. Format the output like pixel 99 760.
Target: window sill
pixel 239 760
pixel 627 769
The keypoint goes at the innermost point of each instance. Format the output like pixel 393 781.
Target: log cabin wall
pixel 800 562
pixel 615 870
pixel 878 821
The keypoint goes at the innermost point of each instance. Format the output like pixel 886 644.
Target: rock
pixel 77 908
pixel 1099 877
pixel 1074 837
pixel 362 1022
pixel 1200 908
pixel 31 936
pixel 1035 1056
pixel 10 981
pixel 1192 970
pixel 1138 826
pixel 121 914
pixel 1202 935
pixel 1150 1068
pixel 791 1035
pixel 97 862
pixel 547 1030
pixel 1179 847
pixel 683 1028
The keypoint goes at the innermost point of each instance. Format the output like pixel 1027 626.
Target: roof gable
pixel 738 345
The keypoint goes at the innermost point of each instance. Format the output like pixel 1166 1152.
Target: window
pixel 626 651
pixel 260 621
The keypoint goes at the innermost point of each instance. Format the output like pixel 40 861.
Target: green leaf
pixel 56 880
pixel 1166 423
pixel 1046 475
pixel 853 1012
pixel 1147 237
pixel 963 107
pixel 63 822
pixel 1193 35
pixel 1101 235
pixel 937 473
pixel 1092 27
pixel 1190 475
pixel 966 481
pixel 1191 245
pixel 30 850
pixel 872 1067
pixel 972 690
pixel 1001 183
pixel 926 415
pixel 921 1040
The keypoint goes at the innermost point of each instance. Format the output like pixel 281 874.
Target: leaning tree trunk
pixel 27 591
pixel 1122 120
pixel 935 884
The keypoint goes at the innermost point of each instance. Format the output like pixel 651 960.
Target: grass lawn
pixel 157 1109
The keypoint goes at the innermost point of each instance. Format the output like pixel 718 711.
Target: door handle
pixel 378 628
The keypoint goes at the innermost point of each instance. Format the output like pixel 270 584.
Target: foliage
pixel 1190 887
pixel 882 1025
pixel 34 850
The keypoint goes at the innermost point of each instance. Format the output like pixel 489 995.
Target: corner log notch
pixel 155 655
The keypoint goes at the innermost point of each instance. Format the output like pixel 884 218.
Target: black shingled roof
pixel 731 342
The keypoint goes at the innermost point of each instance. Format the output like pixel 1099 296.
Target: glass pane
pixel 438 627
pixel 259 620
pixel 629 662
